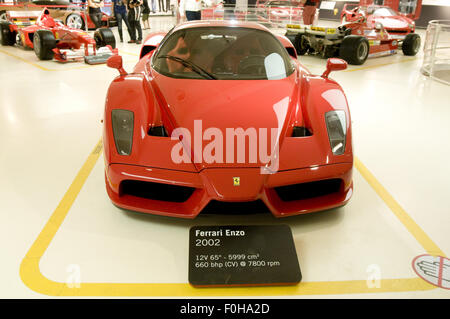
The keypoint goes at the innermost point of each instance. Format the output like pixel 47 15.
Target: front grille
pixel 235 208
pixel 156 191
pixel 308 190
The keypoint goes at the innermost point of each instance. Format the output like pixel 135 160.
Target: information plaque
pixel 242 256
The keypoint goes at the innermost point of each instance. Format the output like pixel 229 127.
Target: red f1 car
pixel 396 24
pixel 353 41
pixel 187 131
pixel 51 39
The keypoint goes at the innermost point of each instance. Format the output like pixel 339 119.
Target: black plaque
pixel 242 256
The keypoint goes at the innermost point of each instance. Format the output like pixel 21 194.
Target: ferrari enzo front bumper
pixel 186 194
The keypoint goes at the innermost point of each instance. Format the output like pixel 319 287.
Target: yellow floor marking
pixel 24 60
pixel 85 66
pixel 398 211
pixel 379 65
pixel 35 280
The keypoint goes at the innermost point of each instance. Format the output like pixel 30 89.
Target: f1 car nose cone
pixel 221 183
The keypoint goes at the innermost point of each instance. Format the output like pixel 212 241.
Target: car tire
pixel 411 44
pixel 44 42
pixel 301 44
pixel 7 37
pixel 354 49
pixel 104 37
pixel 76 21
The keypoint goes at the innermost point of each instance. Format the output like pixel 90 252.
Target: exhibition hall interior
pixel 235 149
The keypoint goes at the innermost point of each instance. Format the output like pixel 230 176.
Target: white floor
pixel 50 122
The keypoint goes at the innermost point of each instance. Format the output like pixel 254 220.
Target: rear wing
pixel 22 18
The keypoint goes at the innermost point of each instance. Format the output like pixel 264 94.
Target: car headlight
pixel 122 125
pixel 411 25
pixel 337 130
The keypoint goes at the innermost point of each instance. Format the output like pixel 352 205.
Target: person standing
pixel 192 9
pixel 145 14
pixel 119 11
pixel 309 10
pixel 134 16
pixel 95 13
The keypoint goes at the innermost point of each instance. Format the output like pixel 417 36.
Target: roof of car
pixel 220 23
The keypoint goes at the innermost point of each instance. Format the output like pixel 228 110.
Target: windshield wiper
pixel 194 67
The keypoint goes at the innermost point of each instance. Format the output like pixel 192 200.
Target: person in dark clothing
pixel 229 6
pixel 134 16
pixel 119 10
pixel 145 14
pixel 95 13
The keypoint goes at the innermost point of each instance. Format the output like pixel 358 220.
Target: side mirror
pixel 115 62
pixel 334 64
pixel 378 26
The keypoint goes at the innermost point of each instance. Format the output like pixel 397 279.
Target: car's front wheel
pixel 354 49
pixel 301 44
pixel 44 42
pixel 411 44
pixel 104 37
pixel 6 36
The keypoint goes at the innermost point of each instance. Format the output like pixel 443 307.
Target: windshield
pixel 283 4
pixel 384 12
pixel 223 53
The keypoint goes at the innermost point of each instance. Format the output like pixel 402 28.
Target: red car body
pixel 281 11
pixel 396 24
pixel 310 177
pixel 67 39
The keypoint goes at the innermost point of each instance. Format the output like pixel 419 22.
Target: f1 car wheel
pixel 411 44
pixel 301 44
pixel 44 42
pixel 354 49
pixel 74 20
pixel 7 37
pixel 104 37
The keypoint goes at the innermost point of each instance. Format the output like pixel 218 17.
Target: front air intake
pixel 308 190
pixel 156 191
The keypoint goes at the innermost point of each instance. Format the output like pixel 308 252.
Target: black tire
pixel 354 49
pixel 301 44
pixel 104 37
pixel 7 37
pixel 411 44
pixel 75 20
pixel 44 42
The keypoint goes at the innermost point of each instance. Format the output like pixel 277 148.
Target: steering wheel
pixel 252 64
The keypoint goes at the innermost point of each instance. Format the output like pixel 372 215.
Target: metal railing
pixel 436 60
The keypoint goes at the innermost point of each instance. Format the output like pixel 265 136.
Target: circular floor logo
pixel 433 269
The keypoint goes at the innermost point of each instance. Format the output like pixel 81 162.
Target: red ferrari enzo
pixel 222 117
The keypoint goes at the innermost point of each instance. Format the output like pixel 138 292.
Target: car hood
pixel 214 106
pixel 393 22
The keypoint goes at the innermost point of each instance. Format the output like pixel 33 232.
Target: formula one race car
pixel 354 41
pixel 51 39
pixel 396 24
pixel 221 117
pixel 69 13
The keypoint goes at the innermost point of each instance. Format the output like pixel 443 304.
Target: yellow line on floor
pixel 379 65
pixel 35 280
pixel 85 66
pixel 398 211
pixel 25 60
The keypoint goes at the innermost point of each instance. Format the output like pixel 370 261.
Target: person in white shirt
pixel 192 9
